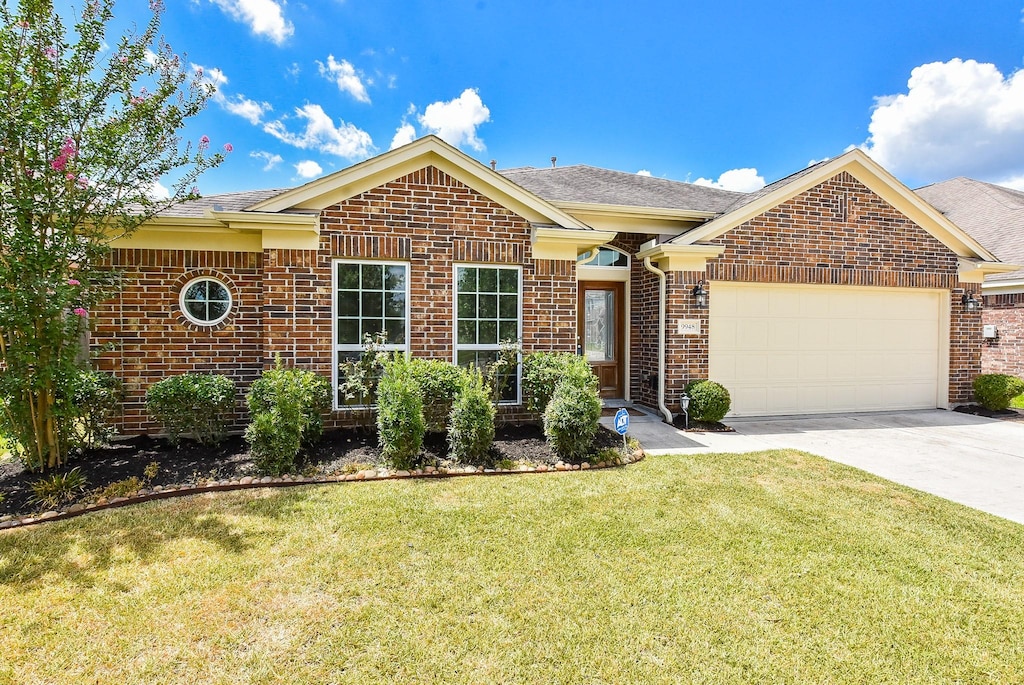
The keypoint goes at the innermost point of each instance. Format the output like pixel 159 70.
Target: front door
pixel 601 326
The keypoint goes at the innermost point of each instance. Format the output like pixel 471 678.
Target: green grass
pixel 1017 402
pixel 768 567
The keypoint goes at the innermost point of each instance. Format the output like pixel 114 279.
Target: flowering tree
pixel 86 131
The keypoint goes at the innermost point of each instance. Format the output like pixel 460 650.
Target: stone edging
pixel 249 482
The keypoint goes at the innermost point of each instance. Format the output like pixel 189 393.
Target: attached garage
pixel 806 349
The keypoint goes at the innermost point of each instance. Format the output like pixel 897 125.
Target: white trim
pixel 201 322
pixel 337 347
pixel 456 347
pixel 1002 287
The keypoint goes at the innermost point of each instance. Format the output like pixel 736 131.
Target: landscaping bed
pixel 189 464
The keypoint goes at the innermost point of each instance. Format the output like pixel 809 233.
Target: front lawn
pixel 767 567
pixel 1017 402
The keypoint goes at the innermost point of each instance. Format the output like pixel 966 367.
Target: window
pixel 369 298
pixel 606 256
pixel 205 301
pixel 487 313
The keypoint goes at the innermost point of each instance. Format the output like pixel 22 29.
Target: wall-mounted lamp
pixel 971 303
pixel 700 295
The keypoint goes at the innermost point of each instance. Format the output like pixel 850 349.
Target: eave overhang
pixel 550 242
pixel 974 271
pixel 673 257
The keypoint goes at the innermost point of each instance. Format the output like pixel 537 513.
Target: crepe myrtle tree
pixel 86 131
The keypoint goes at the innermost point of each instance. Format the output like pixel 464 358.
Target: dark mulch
pixel 700 426
pixel 190 462
pixel 978 410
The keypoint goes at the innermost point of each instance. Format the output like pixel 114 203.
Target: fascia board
pixel 258 221
pixel 632 211
pixel 1003 287
pixel 973 271
pixel 673 257
pixel 428 151
pixel 875 178
pixel 561 243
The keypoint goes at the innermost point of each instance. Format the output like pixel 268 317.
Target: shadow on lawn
pixel 79 554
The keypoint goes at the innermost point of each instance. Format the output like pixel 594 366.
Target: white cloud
pixel 239 105
pixel 264 17
pixel 643 172
pixel 1015 182
pixel 344 140
pixel 270 159
pixel 345 76
pixel 957 118
pixel 405 134
pixel 158 191
pixel 308 169
pixel 456 121
pixel 741 180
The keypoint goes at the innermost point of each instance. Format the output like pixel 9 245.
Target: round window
pixel 205 301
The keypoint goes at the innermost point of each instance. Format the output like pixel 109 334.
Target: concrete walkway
pixel 967 459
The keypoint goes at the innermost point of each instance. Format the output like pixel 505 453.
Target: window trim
pixel 200 322
pixel 337 347
pixel 476 347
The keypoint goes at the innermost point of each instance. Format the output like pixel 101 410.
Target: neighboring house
pixel 995 217
pixel 835 289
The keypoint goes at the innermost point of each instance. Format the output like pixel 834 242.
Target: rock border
pixel 11 522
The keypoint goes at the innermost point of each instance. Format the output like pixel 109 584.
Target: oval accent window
pixel 205 301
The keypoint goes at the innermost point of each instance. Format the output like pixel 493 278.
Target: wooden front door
pixel 600 329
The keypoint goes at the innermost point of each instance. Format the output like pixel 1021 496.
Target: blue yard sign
pixel 621 421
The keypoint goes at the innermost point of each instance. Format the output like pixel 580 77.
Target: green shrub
pixel 439 382
pixel 358 377
pixel 709 401
pixel 96 399
pixel 571 417
pixel 471 426
pixel 121 488
pixel 285 408
pixel 995 391
pixel 58 488
pixel 193 404
pixel 542 371
pixel 400 425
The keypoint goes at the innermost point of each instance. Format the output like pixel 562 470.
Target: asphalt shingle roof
pixel 991 214
pixel 587 184
pixel 228 202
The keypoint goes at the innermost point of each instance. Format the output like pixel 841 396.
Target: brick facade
pixel 1005 353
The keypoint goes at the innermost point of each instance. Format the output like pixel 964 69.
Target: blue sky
pixel 682 90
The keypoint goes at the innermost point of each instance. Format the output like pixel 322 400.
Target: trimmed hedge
pixel 571 417
pixel 471 425
pixel 542 371
pixel 194 404
pixel 400 424
pixel 995 391
pixel 440 383
pixel 709 401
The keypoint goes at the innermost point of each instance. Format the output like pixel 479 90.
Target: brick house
pixel 835 289
pixel 994 216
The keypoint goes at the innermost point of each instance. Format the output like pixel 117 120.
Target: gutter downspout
pixel 661 337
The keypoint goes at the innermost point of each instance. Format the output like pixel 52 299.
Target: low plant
pixel 58 488
pixel 571 417
pixel 285 406
pixel 96 400
pixel 439 382
pixel 400 425
pixel 608 455
pixel 358 379
pixel 542 371
pixel 355 467
pixel 504 463
pixel 121 488
pixel 149 473
pixel 709 401
pixel 193 404
pixel 471 425
pixel 995 391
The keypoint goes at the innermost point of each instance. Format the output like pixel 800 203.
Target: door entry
pixel 600 330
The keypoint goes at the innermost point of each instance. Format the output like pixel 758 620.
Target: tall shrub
pixel 91 122
pixel 400 425
pixel 542 371
pixel 194 404
pixel 439 382
pixel 471 426
pixel 571 417
pixel 285 408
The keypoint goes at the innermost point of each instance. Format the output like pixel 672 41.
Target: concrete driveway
pixel 968 459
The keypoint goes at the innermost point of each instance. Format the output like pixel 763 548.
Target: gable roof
pixel 864 169
pixel 231 202
pixel 591 185
pixel 992 214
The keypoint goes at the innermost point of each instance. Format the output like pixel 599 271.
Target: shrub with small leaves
pixel 440 382
pixel 121 488
pixel 471 425
pixel 995 391
pixel 542 371
pixel 96 399
pixel 193 404
pixel 286 407
pixel 571 417
pixel 709 401
pixel 400 425
pixel 58 488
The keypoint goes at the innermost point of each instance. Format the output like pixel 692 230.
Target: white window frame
pixel 337 347
pixel 200 322
pixel 456 347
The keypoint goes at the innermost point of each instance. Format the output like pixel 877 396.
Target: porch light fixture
pixel 971 303
pixel 700 294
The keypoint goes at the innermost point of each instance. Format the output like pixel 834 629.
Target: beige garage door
pixel 783 349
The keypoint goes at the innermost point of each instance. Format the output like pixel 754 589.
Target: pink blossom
pixel 122 59
pixel 80 311
pixel 50 53
pixel 69 176
pixel 204 142
pixel 228 147
pixel 137 100
pixel 83 181
pixel 68 149
pixel 60 163
pixel 74 281
pixel 194 190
